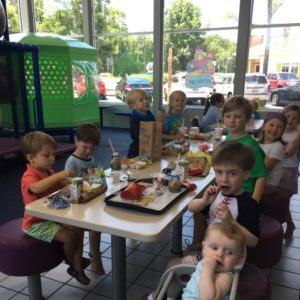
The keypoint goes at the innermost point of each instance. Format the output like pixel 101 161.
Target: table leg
pixel 177 237
pixel 118 267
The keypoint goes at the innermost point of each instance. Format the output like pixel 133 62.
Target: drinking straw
pixel 177 164
pixel 111 145
pixel 182 124
pixel 217 123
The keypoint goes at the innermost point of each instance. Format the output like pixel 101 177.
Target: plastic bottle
pixel 174 182
pixel 115 163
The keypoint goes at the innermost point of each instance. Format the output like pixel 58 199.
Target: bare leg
pixel 95 239
pixel 290 227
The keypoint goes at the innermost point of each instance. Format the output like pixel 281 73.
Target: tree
pixel 273 6
pixel 13 16
pixel 182 15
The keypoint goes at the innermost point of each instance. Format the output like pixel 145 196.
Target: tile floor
pixel 145 263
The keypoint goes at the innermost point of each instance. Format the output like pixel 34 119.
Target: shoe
pixel 85 262
pixel 78 275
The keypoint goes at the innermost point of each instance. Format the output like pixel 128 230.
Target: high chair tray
pixel 150 201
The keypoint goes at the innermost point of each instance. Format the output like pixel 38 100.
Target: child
pixel 237 113
pixel 137 100
pixel 174 119
pixel 222 248
pixel 255 113
pixel 212 111
pixel 226 201
pixel 274 147
pixel 39 180
pixel 81 160
pixel 289 178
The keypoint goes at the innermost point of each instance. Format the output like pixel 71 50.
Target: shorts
pixel 289 180
pixel 44 231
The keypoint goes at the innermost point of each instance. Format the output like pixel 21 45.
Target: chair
pixel 175 279
pixel 276 205
pixel 22 255
pixel 268 251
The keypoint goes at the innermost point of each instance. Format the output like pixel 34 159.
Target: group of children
pixel 244 168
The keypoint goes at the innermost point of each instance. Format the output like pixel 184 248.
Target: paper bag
pixel 150 139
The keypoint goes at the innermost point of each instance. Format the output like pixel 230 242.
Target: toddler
pixel 81 160
pixel 39 180
pixel 255 113
pixel 137 100
pixel 222 248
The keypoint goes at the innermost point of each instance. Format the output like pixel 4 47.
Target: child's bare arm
pixel 170 137
pixel 46 183
pixel 293 147
pixel 211 285
pixel 271 162
pixel 209 196
pixel 259 188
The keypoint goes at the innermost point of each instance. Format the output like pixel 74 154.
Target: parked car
pixel 282 79
pixel 256 85
pixel 101 89
pixel 286 95
pixel 196 88
pixel 129 83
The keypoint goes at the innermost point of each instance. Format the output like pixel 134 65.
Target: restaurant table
pixel 124 223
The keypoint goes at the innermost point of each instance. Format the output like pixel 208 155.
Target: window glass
pixel 283 11
pixel 12 9
pixel 60 17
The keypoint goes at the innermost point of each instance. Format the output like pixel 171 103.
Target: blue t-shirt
pixel 171 123
pixel 190 292
pixel 212 116
pixel 80 165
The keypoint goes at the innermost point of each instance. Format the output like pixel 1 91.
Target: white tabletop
pixel 96 215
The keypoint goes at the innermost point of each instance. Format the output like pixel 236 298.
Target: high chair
pixel 175 279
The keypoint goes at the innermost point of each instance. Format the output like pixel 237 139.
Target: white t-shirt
pixel 291 162
pixel 274 150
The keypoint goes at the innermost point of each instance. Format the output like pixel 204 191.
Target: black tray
pixel 157 206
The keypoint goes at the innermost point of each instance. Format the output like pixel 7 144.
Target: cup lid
pixel 115 154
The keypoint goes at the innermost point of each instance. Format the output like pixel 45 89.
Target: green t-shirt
pixel 259 168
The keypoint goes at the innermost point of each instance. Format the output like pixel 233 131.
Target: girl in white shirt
pixel 289 178
pixel 274 148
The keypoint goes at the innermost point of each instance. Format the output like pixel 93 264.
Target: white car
pixel 256 85
pixel 196 88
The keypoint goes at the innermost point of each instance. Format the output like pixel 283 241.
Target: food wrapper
pixel 76 188
pixel 133 191
pixel 97 175
pixel 199 163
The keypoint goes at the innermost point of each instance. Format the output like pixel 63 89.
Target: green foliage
pixel 13 16
pixel 182 15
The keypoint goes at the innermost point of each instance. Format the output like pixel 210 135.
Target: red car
pixel 101 89
pixel 282 79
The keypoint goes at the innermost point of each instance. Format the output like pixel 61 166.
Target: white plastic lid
pixel 115 154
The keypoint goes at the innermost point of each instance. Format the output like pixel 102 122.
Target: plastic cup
pixel 183 130
pixel 115 177
pixel 218 132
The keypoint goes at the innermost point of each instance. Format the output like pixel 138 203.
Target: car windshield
pixel 288 76
pixel 255 78
pixel 137 80
pixel 296 87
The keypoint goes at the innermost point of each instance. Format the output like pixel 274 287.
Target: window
pixel 294 68
pixel 285 67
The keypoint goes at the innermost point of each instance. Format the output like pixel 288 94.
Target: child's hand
pixel 179 136
pixel 210 194
pixel 66 173
pixel 223 212
pixel 160 115
pixel 209 263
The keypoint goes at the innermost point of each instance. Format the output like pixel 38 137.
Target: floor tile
pixel 154 247
pixel 286 279
pixel 140 258
pixel 288 265
pixel 6 294
pixel 159 263
pixel 20 297
pixel 14 283
pixel 59 273
pixel 105 287
pixel 68 292
pixel 92 296
pixel 137 290
pixel 149 278
pixel 280 292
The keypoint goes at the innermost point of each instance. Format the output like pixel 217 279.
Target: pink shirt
pixel 30 176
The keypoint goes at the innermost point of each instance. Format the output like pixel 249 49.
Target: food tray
pixel 157 206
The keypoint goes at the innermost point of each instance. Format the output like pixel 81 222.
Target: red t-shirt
pixel 30 176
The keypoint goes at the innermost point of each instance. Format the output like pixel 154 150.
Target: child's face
pixel 230 178
pixel 235 121
pixel 177 103
pixel 273 130
pixel 43 160
pixel 292 120
pixel 84 150
pixel 227 252
pixel 141 104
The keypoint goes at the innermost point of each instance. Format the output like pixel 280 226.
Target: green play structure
pixel 68 82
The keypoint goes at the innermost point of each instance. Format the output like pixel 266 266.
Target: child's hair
pixel 89 133
pixel 228 229
pixel 213 100
pixel 292 107
pixel 254 104
pixel 274 115
pixel 234 153
pixel 238 102
pixel 33 142
pixel 133 95
pixel 172 96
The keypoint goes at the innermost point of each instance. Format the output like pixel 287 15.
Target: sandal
pixel 85 262
pixel 78 275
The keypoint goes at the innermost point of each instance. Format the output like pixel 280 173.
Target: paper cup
pixel 183 130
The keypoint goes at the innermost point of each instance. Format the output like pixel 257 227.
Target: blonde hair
pixel 133 96
pixel 173 95
pixel 238 102
pixel 33 142
pixel 228 229
pixel 291 107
